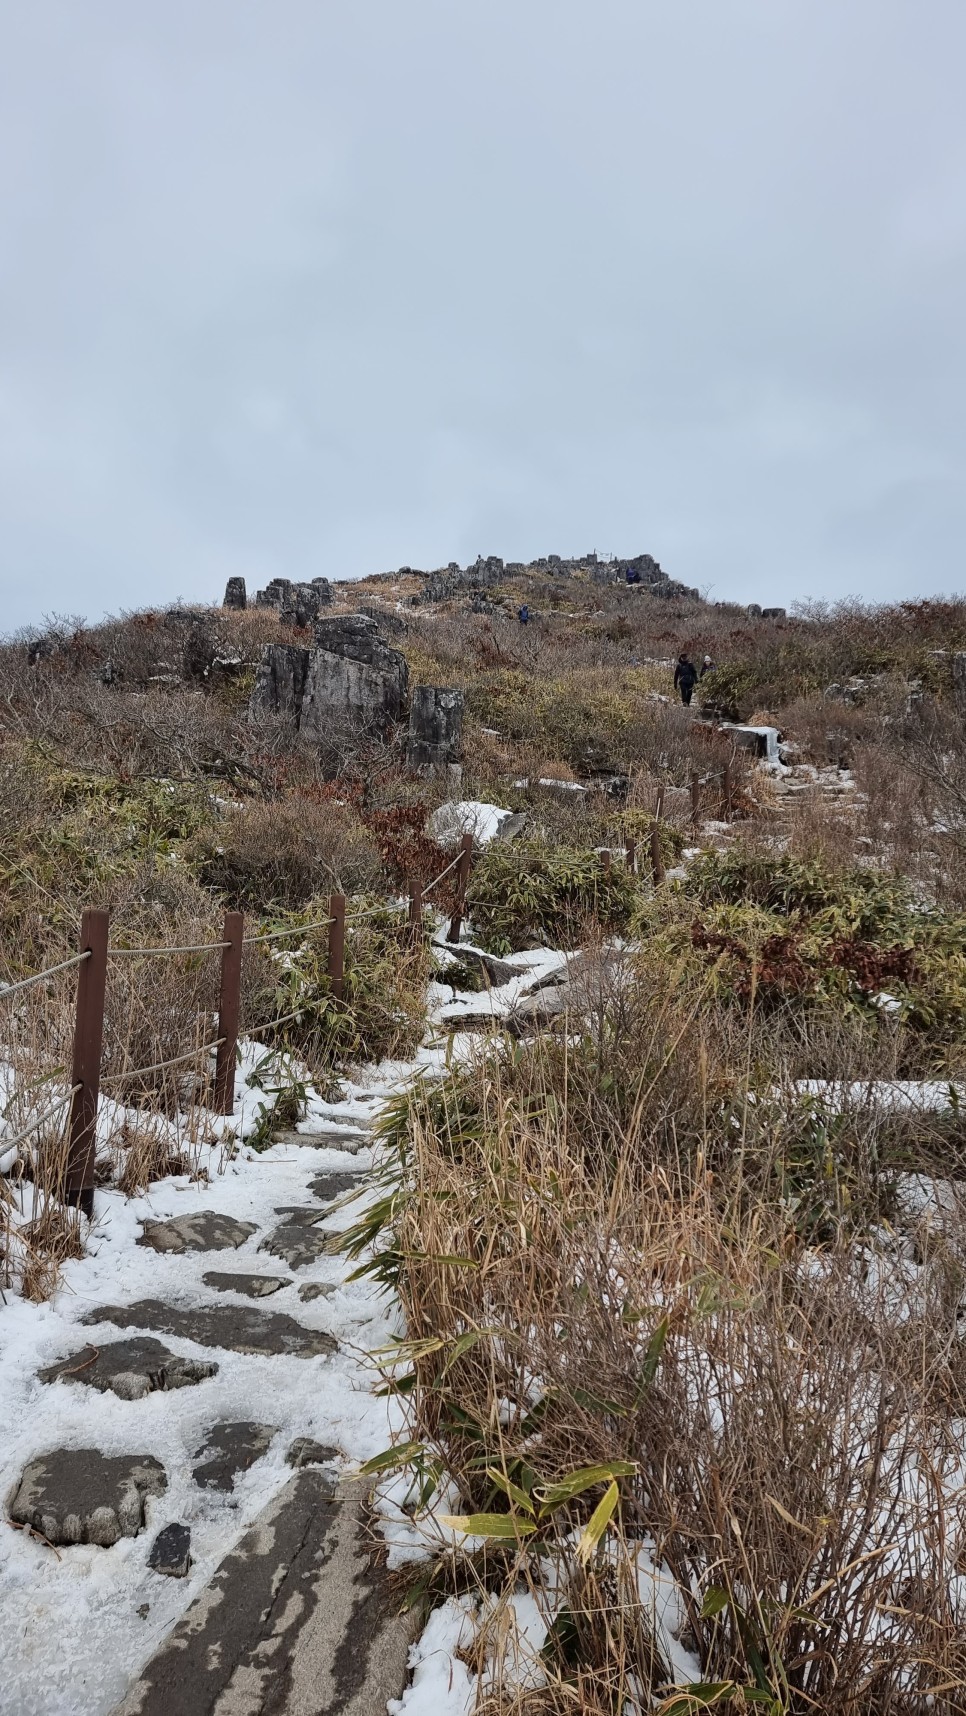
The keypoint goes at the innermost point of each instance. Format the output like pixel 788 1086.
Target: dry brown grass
pixel 605 1230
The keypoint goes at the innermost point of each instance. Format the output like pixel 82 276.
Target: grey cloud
pixel 327 287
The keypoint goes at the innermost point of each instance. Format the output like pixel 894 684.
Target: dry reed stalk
pixel 798 1439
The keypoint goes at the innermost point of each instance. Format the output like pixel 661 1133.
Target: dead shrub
pixel 283 852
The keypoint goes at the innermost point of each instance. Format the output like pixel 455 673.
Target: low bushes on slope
pixel 534 895
pixel 796 936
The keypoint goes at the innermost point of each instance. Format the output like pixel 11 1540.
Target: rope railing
pixel 9 989
pixel 443 873
pixel 162 1066
pixel 286 934
pixel 153 952
pixel 41 1120
pixel 275 1024
pixel 376 911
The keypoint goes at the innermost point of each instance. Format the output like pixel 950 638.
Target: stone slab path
pixel 292 1617
pixel 294 1623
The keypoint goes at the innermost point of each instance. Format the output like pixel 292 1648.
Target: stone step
pixel 348 1138
pixel 237 1328
pixel 79 1495
pixel 199 1230
pixel 295 1622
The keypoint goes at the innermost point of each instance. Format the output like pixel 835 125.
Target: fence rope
pixel 376 911
pixel 162 1066
pixel 282 935
pixel 11 1143
pixel 147 952
pixel 452 865
pixel 29 982
pixel 273 1024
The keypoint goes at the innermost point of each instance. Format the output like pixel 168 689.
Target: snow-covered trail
pixel 77 1624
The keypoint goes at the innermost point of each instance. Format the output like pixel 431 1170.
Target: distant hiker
pixel 632 575
pixel 523 614
pixel 685 677
pixel 707 666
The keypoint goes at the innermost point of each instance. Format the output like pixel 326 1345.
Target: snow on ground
pixel 75 1629
pixel 467 816
pixel 889 1096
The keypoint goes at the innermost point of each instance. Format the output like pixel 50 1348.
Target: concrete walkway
pixel 296 1622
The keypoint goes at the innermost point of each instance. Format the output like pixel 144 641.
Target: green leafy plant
pixel 538 895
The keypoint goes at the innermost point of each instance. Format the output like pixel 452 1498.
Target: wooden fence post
pixel 695 802
pixel 462 883
pixel 86 1063
pixel 229 1007
pixel 727 791
pixel 336 965
pixel 657 857
pixel 631 854
pixel 659 809
pixel 606 860
pixel 416 912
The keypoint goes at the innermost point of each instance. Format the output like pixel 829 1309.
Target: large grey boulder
pixel 236 595
pixel 435 727
pixel 353 680
pixel 79 1495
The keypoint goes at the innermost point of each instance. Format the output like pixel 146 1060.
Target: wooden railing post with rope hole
pixel 728 790
pixel 86 1063
pixel 695 802
pixel 229 1009
pixel 336 964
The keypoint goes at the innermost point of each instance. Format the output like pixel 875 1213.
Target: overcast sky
pixel 301 287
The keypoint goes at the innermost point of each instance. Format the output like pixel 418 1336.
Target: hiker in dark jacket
pixel 707 666
pixel 685 676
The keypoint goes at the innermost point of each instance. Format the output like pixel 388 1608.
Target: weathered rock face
pixel 299 604
pixel 236 595
pixel 352 680
pixel 280 684
pixel 435 727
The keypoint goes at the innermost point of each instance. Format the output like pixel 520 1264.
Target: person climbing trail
pixel 685 677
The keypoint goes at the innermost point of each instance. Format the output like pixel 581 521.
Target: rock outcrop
pixel 435 727
pixel 455 580
pixel 298 604
pixel 351 681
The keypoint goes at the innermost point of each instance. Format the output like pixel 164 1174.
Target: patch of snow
pixel 442 1685
pixel 467 816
